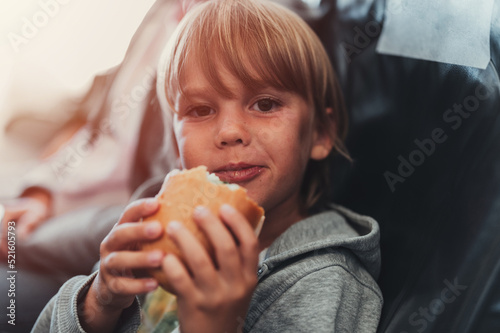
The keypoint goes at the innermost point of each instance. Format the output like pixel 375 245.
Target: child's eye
pixel 200 111
pixel 265 105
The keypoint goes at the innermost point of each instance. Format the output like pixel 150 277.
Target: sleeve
pixel 326 300
pixel 82 173
pixel 70 144
pixel 60 315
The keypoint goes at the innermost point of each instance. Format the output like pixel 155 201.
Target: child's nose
pixel 232 131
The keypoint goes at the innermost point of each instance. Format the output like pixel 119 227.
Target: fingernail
pixel 200 211
pixel 173 226
pixel 153 229
pixel 151 203
pixel 155 257
pixel 225 208
pixel 151 285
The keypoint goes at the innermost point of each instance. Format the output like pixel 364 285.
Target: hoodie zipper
pixel 262 271
pixel 265 270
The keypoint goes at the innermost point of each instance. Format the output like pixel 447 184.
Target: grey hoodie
pixel 318 276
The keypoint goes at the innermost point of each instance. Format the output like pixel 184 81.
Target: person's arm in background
pixel 73 173
pixel 34 205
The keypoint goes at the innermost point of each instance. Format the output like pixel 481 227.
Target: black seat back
pixel 425 139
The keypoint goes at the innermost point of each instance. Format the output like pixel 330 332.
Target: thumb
pixel 139 209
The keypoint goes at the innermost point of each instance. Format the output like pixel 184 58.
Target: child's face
pixel 261 140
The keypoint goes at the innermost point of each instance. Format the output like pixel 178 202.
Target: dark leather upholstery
pixel 440 223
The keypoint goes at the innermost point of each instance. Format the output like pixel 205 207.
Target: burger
pixel 181 193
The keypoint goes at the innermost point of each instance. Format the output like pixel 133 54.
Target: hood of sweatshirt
pixel 338 229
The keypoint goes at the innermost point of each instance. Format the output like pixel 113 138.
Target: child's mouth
pixel 238 173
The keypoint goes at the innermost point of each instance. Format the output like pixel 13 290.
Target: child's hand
pixel 115 287
pixel 215 298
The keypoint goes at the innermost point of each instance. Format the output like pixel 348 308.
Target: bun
pixel 181 192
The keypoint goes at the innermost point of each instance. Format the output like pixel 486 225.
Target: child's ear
pixel 322 143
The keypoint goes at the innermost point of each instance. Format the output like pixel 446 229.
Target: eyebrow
pixel 189 93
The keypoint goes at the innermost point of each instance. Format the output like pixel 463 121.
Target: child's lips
pixel 238 173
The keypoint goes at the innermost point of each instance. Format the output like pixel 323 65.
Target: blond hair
pixel 262 44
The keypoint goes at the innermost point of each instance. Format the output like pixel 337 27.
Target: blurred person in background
pixel 88 171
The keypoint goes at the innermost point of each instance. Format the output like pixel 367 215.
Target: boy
pixel 254 98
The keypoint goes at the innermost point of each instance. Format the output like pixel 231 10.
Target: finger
pixel 130 286
pixel 197 259
pixel 139 209
pixel 126 260
pixel 126 235
pixel 177 275
pixel 226 251
pixel 3 250
pixel 245 235
pixel 3 239
pixel 28 222
pixel 9 216
pixel 12 215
